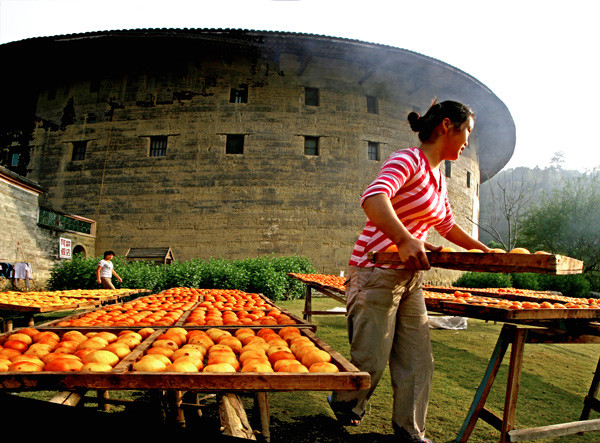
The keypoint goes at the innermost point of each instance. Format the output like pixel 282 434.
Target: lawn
pixel 554 381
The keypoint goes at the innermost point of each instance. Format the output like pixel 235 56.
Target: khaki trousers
pixel 107 283
pixel 387 322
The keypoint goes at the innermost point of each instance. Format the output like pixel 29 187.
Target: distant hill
pixel 511 192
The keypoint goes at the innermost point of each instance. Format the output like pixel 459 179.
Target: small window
pixel 448 168
pixel 79 148
pixel 373 151
pixel 95 85
pixel 14 161
pixel 468 179
pixel 311 96
pixel 234 144
pixel 311 145
pixel 239 95
pixel 372 107
pixel 158 146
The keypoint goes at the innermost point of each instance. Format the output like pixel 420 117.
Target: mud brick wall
pixel 23 239
pixel 204 202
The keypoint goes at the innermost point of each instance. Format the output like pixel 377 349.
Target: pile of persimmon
pixel 31 350
pixel 334 281
pixel 217 350
pixel 232 299
pixel 207 316
pixel 111 316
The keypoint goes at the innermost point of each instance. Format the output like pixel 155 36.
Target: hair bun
pixel 414 121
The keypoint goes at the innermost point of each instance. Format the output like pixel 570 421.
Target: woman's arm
pixel 460 238
pixel 411 251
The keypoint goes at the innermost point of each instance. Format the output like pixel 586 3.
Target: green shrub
pixel 525 280
pixel 266 275
pixel 483 280
pixel 570 285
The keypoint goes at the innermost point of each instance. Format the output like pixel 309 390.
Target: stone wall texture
pixel 23 239
pixel 199 199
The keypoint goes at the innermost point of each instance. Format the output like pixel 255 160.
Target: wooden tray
pixel 492 262
pixel 512 315
pixel 121 378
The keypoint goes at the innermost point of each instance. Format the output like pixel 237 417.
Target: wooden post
pixel 486 384
pixel 66 398
pixel 262 399
pixel 103 395
pixel 512 387
pixel 308 304
pixel 233 417
pixel 591 402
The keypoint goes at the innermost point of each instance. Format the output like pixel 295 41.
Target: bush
pixel 525 280
pixel 569 285
pixel 483 280
pixel 265 275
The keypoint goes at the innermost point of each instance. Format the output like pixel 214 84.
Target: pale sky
pixel 540 57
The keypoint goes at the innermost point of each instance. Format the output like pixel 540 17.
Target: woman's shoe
pixel 344 415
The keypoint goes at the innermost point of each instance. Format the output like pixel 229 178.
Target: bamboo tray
pixel 492 262
pixel 122 378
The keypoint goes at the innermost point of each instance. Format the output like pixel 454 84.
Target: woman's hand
pixel 412 253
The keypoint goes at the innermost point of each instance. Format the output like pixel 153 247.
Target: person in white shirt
pixel 105 271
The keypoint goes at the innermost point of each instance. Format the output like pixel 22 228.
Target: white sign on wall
pixel 64 248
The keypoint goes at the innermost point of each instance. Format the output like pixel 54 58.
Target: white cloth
pixel 107 268
pixel 21 270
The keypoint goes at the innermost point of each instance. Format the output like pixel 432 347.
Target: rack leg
pixel 512 388
pixel 485 386
pixel 591 399
pixel 308 304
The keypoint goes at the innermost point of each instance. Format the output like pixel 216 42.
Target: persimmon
pixel 16 345
pixel 21 337
pixel 257 366
pixel 96 367
pixel 281 355
pixel 314 356
pixel 194 360
pixel 101 356
pixel 25 366
pixel 181 366
pixel 519 251
pixel 323 366
pixel 64 365
pixel 219 367
pixel 149 365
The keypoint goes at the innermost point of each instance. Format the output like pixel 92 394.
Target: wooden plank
pixel 553 431
pixel 233 417
pixel 512 386
pixel 481 395
pixel 492 262
pixel 504 314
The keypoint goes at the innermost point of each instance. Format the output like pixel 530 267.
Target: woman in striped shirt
pixel 387 317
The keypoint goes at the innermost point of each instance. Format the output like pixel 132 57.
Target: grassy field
pixel 554 381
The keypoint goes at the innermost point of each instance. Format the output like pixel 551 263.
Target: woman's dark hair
pixel 107 253
pixel 424 125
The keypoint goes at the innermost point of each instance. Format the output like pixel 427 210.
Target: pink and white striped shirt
pixel 419 200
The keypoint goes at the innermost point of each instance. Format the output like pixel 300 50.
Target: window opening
pixel 373 151
pixel 234 144
pixel 158 146
pixel 79 149
pixel 311 145
pixel 311 96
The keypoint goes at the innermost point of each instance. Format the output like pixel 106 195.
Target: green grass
pixel 554 381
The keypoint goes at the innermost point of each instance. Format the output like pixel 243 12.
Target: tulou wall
pixel 233 149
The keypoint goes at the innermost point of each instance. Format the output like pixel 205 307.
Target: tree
pixel 507 199
pixel 567 221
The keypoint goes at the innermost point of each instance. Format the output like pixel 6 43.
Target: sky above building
pixel 537 56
